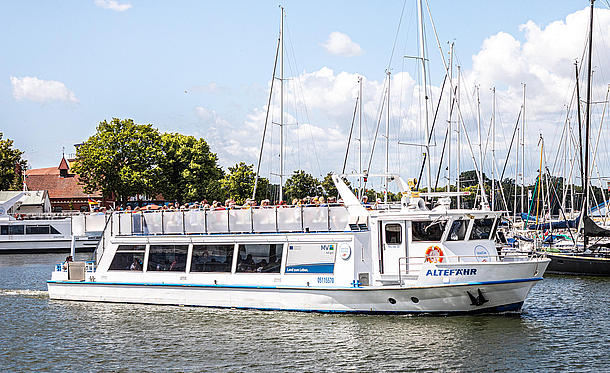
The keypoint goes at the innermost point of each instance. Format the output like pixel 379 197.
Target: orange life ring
pixel 434 254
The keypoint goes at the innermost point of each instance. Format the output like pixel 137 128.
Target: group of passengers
pixel 231 204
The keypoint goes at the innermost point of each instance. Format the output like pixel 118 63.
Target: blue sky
pixel 203 67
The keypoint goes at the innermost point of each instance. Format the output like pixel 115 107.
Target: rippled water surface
pixel 565 326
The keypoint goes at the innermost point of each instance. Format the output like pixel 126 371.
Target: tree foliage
pixel 302 184
pixel 329 187
pixel 120 160
pixel 11 165
pixel 188 170
pixel 238 184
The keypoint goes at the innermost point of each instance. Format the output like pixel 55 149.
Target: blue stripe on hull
pixel 68 282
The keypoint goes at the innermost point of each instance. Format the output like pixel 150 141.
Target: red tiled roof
pixel 58 187
pixel 43 171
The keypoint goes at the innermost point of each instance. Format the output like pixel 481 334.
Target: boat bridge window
pixel 427 230
pixel 482 229
pixel 128 258
pixel 458 230
pixel 264 258
pixel 167 258
pixel 212 258
pixel 40 229
pixel 393 234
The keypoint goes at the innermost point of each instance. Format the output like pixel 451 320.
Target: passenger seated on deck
pixel 247 265
pixel 135 265
pixel 261 266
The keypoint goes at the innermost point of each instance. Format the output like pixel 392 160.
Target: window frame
pixel 400 233
pixel 237 258
pixel 120 251
pixel 192 256
pixel 429 223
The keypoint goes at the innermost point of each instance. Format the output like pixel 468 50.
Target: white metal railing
pixel 275 219
pixel 411 266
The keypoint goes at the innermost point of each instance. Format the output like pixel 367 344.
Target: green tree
pixel 11 165
pixel 120 160
pixel 329 186
pixel 188 170
pixel 302 184
pixel 238 184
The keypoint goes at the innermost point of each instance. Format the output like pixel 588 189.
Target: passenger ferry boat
pixel 399 258
pixel 48 232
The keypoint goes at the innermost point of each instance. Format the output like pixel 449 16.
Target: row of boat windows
pixel 252 258
pixel 433 230
pixel 27 229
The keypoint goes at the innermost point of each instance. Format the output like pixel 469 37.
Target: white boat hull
pixel 501 296
pixel 47 245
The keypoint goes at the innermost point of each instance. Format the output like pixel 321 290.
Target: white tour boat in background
pixel 47 232
pixel 398 258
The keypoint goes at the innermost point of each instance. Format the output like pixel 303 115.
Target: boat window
pixel 4 229
pixel 131 248
pixel 52 230
pixel 15 229
pixel 393 234
pixel 264 258
pixel 427 230
pixel 128 258
pixel 212 258
pixel 167 258
pixel 458 230
pixel 481 230
pixel 36 229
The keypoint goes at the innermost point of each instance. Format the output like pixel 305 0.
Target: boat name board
pixel 452 272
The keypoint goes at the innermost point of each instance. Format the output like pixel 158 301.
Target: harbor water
pixel 564 326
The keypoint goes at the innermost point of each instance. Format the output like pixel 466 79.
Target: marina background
pixel 564 327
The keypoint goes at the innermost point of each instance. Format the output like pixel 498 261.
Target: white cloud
pixel 341 44
pixel 540 56
pixel 112 5
pixel 34 89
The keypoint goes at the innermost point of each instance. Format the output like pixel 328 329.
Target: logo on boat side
pixel 481 253
pixel 330 247
pixel 452 272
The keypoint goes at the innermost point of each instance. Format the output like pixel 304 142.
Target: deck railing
pixel 276 219
pixel 411 266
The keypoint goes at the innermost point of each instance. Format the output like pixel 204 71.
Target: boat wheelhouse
pixel 399 258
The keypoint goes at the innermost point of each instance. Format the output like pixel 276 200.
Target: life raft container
pixel 434 254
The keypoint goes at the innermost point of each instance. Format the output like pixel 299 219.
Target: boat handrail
pixel 452 259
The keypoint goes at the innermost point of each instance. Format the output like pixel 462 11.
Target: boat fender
pixel 434 254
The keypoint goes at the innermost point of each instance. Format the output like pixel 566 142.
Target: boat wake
pixel 25 293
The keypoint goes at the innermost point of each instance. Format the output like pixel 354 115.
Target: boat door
pixel 393 246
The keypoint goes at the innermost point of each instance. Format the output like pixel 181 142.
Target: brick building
pixel 64 190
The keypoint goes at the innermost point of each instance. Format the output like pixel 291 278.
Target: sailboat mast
pixel 282 106
pixel 588 126
pixel 459 139
pixel 449 111
pixel 523 154
pixel 387 141
pixel 360 192
pixel 422 55
pixel 493 153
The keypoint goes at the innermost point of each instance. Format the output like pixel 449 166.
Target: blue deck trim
pixel 294 287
